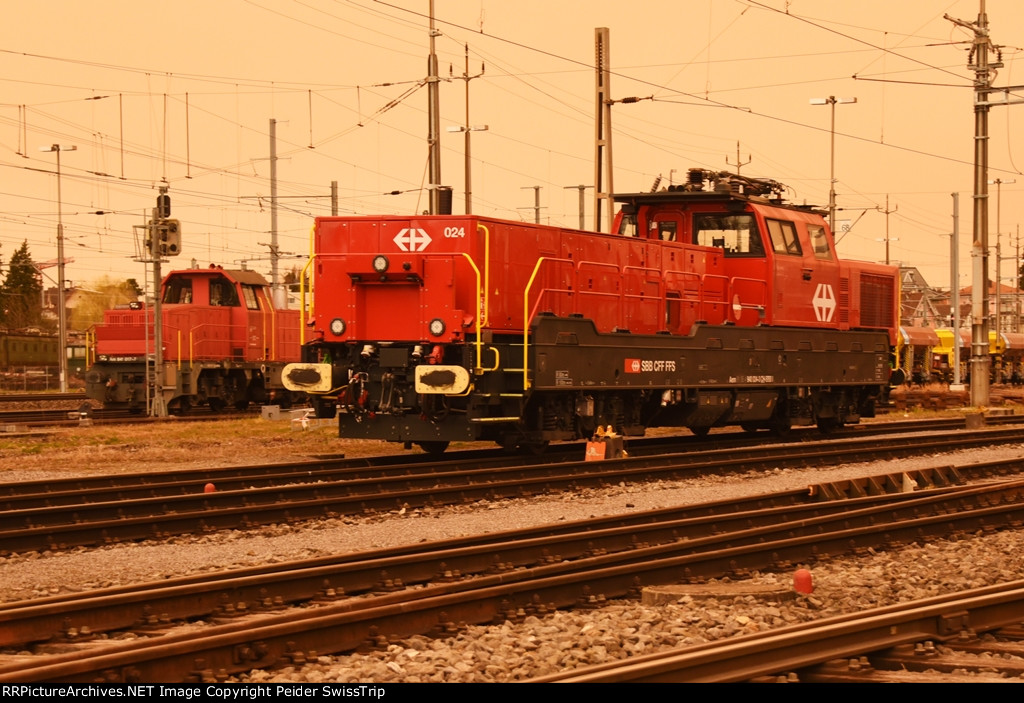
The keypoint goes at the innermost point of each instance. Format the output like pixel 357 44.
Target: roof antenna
pixel 738 163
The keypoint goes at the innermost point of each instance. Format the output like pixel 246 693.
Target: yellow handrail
pixel 526 320
pixel 476 317
pixel 480 314
pixel 270 311
pixel 90 347
pixel 487 274
pixel 302 289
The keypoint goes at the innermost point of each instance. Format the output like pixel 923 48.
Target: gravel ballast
pixel 564 640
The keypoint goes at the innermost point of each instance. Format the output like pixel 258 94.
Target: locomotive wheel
pixel 535 448
pixel 780 426
pixel 701 432
pixel 216 404
pixel 750 427
pixel 828 425
pixel 181 407
pixel 435 448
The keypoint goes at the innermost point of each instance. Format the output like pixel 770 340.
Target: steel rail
pixel 62 526
pixel 294 636
pixel 229 478
pixel 89 613
pixel 785 650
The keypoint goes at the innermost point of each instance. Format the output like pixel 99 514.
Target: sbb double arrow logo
pixel 824 303
pixel 409 239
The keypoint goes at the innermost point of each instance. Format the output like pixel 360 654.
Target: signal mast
pixel 161 237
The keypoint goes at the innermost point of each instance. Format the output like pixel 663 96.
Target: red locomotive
pixel 224 344
pixel 713 304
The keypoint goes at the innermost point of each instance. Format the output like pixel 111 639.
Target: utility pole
pixel 739 164
pixel 954 290
pixel 536 202
pixel 581 188
pixel 1016 286
pixel 1000 324
pixel 983 73
pixel 832 100
pixel 466 129
pixel 998 182
pixel 280 299
pixel 602 126
pixel 434 120
pixel 62 312
pixel 887 212
pixel 999 285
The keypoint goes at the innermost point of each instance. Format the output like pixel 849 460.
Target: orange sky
pixel 185 91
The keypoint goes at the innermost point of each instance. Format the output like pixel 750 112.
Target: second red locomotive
pixel 225 344
pixel 714 303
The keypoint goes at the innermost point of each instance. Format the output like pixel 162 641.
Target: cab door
pixel 258 332
pixel 805 273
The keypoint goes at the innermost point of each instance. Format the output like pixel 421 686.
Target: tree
pixel 104 294
pixel 21 293
pixel 292 278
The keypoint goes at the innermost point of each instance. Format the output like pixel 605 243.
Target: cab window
pixel 819 240
pixel 667 230
pixel 222 292
pixel 178 290
pixel 737 235
pixel 783 236
pixel 628 226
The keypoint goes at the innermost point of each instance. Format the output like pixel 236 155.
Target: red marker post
pixel 802 582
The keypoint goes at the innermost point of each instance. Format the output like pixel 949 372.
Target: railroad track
pixel 886 645
pixel 367 599
pixel 41 397
pixel 58 515
pixel 87 416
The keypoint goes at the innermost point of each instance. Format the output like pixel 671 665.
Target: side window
pixel 222 292
pixel 736 235
pixel 628 226
pixel 820 242
pixel 251 301
pixel 665 230
pixel 179 290
pixel 783 236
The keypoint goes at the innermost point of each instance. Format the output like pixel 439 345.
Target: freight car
pixel 714 303
pixel 1005 350
pixel 26 349
pixel 225 344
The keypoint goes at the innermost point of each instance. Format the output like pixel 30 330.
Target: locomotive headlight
pixel 337 327
pixel 380 263
pixel 437 327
